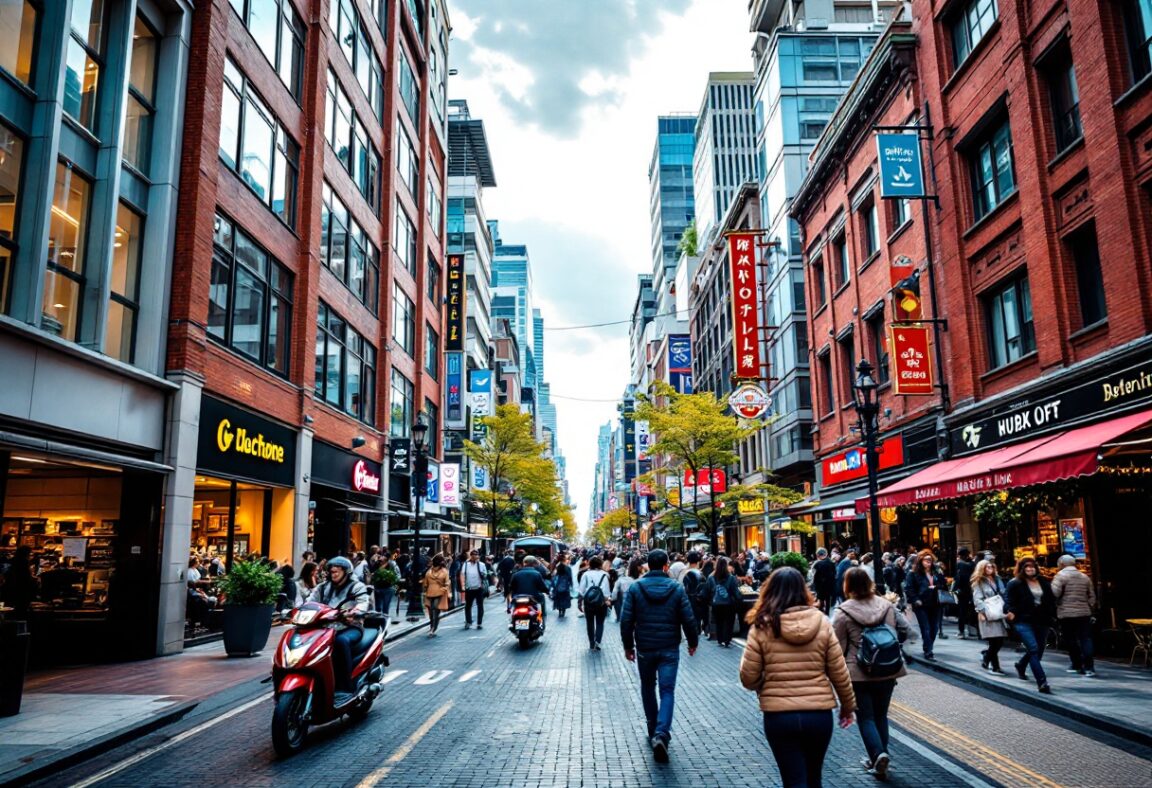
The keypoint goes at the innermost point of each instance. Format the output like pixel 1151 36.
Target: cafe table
pixel 1142 632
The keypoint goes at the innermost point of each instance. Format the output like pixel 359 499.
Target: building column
pixel 303 494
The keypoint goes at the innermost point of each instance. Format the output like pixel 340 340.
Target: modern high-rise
pixel 725 154
pixel 512 279
pixel 671 205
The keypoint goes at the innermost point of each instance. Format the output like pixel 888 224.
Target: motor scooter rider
pixel 528 581
pixel 339 588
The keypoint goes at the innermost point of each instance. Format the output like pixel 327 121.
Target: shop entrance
pixel 234 520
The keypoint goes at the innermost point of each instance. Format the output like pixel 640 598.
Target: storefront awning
pixel 351 507
pixel 1063 455
pixel 822 506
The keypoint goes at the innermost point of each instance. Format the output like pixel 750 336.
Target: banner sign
pixel 643 438
pixel 454 307
pixel 745 318
pixel 400 456
pixel 454 388
pixel 853 464
pixel 479 477
pixel 450 484
pixel 1072 537
pixel 911 360
pixel 238 443
pixel 432 494
pixel 480 391
pixel 642 507
pixel 629 449
pixel 749 401
pixel 641 488
pixel 708 478
pixel 901 171
pixel 679 353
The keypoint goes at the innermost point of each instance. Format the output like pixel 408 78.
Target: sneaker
pixel 881 765
pixel 867 764
pixel 1089 674
pixel 1045 689
pixel 659 749
pixel 1073 670
pixel 995 671
pixel 962 636
pixel 467 626
pixel 479 626
pixel 930 657
pixel 1022 671
pixel 942 636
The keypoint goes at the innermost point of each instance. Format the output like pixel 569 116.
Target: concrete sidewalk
pixel 71 714
pixel 1117 700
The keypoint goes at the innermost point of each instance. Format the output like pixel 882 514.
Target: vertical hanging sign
pixel 454 389
pixel 745 322
pixel 454 310
pixel 911 360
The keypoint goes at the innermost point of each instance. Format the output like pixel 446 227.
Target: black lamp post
pixel 867 411
pixel 419 490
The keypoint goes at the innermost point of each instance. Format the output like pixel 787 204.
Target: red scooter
pixel 304 680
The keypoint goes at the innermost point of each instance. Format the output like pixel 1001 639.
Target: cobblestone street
pixel 470 709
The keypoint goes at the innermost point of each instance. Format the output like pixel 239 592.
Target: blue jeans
pixel 926 617
pixel 658 667
pixel 872 700
pixel 799 741
pixel 1034 638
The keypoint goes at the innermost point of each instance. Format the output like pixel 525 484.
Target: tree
pixel 688 240
pixel 604 531
pixel 522 492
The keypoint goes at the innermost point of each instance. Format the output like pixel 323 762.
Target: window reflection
pixel 141 96
pixel 67 231
pixel 11 157
pixel 123 303
pixel 83 61
pixel 17 38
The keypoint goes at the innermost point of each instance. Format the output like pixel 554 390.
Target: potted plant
pixel 384 582
pixel 794 560
pixel 250 590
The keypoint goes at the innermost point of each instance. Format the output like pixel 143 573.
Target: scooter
pixel 527 620
pixel 304 678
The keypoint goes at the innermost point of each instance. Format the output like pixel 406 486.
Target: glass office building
pixel 671 205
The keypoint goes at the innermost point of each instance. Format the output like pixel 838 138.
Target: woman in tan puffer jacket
pixel 795 665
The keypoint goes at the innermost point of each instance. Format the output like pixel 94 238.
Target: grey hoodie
pixel 851 618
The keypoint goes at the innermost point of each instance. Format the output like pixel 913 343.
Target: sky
pixel 569 92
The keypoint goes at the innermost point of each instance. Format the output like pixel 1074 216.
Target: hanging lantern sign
pixel 749 401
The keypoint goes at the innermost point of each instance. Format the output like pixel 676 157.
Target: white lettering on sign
pixel 363 479
pixel 1016 423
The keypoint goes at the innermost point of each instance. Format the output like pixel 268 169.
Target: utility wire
pixel 581 399
pixel 610 323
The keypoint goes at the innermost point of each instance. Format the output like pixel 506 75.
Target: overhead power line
pixel 609 323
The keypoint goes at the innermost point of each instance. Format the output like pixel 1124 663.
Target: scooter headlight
pixel 304 617
pixel 293 655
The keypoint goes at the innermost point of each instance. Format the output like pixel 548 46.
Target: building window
pixel 400 407
pixel 141 96
pixel 432 419
pixel 346 250
pixel 279 33
pixel 1065 96
pixel 349 140
pixel 848 365
pixel 67 250
pixel 869 228
pixel 403 321
pixel 352 39
pixel 993 175
pixel 842 260
pixel 409 89
pixel 1089 276
pixel 404 240
pixel 819 282
pixel 249 298
pixel 827 388
pixel 124 301
pixel 901 213
pixel 431 352
pixel 406 162
pixel 435 207
pixel 345 366
pixel 256 147
pixel 1138 30
pixel 1008 310
pixel 970 24
pixel 83 60
pixel 879 345
pixel 18 38
pixel 11 159
pixel 433 282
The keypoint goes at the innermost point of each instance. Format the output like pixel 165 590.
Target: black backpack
pixel 695 585
pixel 878 654
pixel 594 598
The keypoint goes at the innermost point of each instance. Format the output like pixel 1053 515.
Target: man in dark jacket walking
pixel 824 580
pixel 656 610
pixel 962 589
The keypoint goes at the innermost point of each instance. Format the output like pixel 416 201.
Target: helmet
pixel 341 562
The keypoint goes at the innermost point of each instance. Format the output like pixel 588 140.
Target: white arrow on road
pixel 470 675
pixel 433 676
pixel 390 677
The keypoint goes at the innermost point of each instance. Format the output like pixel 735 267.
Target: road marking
pixel 469 675
pixel 741 642
pixel 374 778
pixel 188 734
pixel 490 653
pixel 390 677
pixel 433 676
pixel 965 777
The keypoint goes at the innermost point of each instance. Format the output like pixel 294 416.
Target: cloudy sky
pixel 569 92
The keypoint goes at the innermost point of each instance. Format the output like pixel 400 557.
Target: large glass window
pixel 1089 276
pixel 403 320
pixel 250 298
pixel 141 96
pixel 431 351
pixel 124 301
pixel 827 388
pixel 1138 30
pixel 993 174
pixel 349 140
pixel 1065 95
pixel 83 61
pixel 18 38
pixel 279 32
pixel 409 89
pixel 1008 310
pixel 971 22
pixel 345 366
pixel 406 162
pixel 404 240
pixel 67 250
pixel 11 159
pixel 435 207
pixel 433 281
pixel 345 249
pixel 256 147
pixel 400 406
pixel 353 40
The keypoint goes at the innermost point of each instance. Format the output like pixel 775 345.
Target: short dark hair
pixel 596 562
pixel 437 560
pixel 693 557
pixel 657 560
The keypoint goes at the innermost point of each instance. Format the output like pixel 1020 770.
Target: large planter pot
pixel 246 629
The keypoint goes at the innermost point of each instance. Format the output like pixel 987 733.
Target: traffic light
pixel 906 299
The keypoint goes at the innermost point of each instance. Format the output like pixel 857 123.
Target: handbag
pixel 945 597
pixel 994 608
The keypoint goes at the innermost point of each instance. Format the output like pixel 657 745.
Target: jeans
pixel 474 595
pixel 872 699
pixel 926 617
pixel 799 740
pixel 1077 634
pixel 658 667
pixel 342 657
pixel 965 611
pixel 383 599
pixel 723 616
pixel 594 620
pixel 1033 637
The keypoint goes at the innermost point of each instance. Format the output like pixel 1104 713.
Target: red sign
pixel 745 322
pixel 853 464
pixel 642 489
pixel 911 360
pixel 705 476
pixel 363 480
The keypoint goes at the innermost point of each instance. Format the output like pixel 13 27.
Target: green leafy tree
pixel 604 531
pixel 689 240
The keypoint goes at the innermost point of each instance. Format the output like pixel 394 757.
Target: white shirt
pixel 595 577
pixel 194 576
pixel 676 570
pixel 472 574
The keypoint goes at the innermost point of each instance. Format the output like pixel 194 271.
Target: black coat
pixel 916 589
pixel 1018 601
pixel 656 609
pixel 824 577
pixel 963 577
pixel 527 580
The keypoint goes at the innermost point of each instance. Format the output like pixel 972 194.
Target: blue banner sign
pixel 901 168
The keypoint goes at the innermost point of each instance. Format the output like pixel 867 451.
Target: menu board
pixel 1072 537
pixel 1048 541
pixel 75 547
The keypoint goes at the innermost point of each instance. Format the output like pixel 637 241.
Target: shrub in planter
pixel 250 590
pixel 794 560
pixel 385 577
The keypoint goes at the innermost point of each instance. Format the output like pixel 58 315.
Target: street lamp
pixel 419 490
pixel 867 411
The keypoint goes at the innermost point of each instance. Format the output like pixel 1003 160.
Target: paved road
pixel 469 709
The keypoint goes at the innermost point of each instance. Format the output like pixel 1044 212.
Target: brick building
pixel 1039 121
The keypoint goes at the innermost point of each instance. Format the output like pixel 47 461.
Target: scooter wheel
pixel 525 640
pixel 289 730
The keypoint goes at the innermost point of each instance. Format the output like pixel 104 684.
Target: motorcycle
pixel 303 674
pixel 527 620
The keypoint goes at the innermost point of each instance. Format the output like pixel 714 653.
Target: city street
pixel 470 709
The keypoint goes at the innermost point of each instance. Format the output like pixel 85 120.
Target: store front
pixel 347 508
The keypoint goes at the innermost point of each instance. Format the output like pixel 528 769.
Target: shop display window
pixel 253 519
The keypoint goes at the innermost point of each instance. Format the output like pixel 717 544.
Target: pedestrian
pixel 1075 601
pixel 894 575
pixel 862 610
pixel 824 580
pixel 436 586
pixel 656 611
pixel 678 568
pixel 962 589
pixel 288 588
pixel 562 584
pixel 307 580
pixel 867 565
pixel 473 583
pixel 21 586
pixel 923 590
pixel 988 600
pixel 695 585
pixel 723 592
pixel 846 563
pixel 795 665
pixel 594 592
pixel 635 570
pixel 1030 608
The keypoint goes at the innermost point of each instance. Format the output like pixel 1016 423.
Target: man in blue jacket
pixel 656 609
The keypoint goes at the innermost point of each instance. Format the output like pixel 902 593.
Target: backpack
pixel 878 654
pixel 563 582
pixel 695 586
pixel 594 598
pixel 721 596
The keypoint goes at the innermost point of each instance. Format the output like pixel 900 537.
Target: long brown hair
pixel 1022 563
pixel 925 553
pixel 786 588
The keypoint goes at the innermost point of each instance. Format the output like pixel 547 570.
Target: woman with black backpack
pixel 870 630
pixel 722 594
